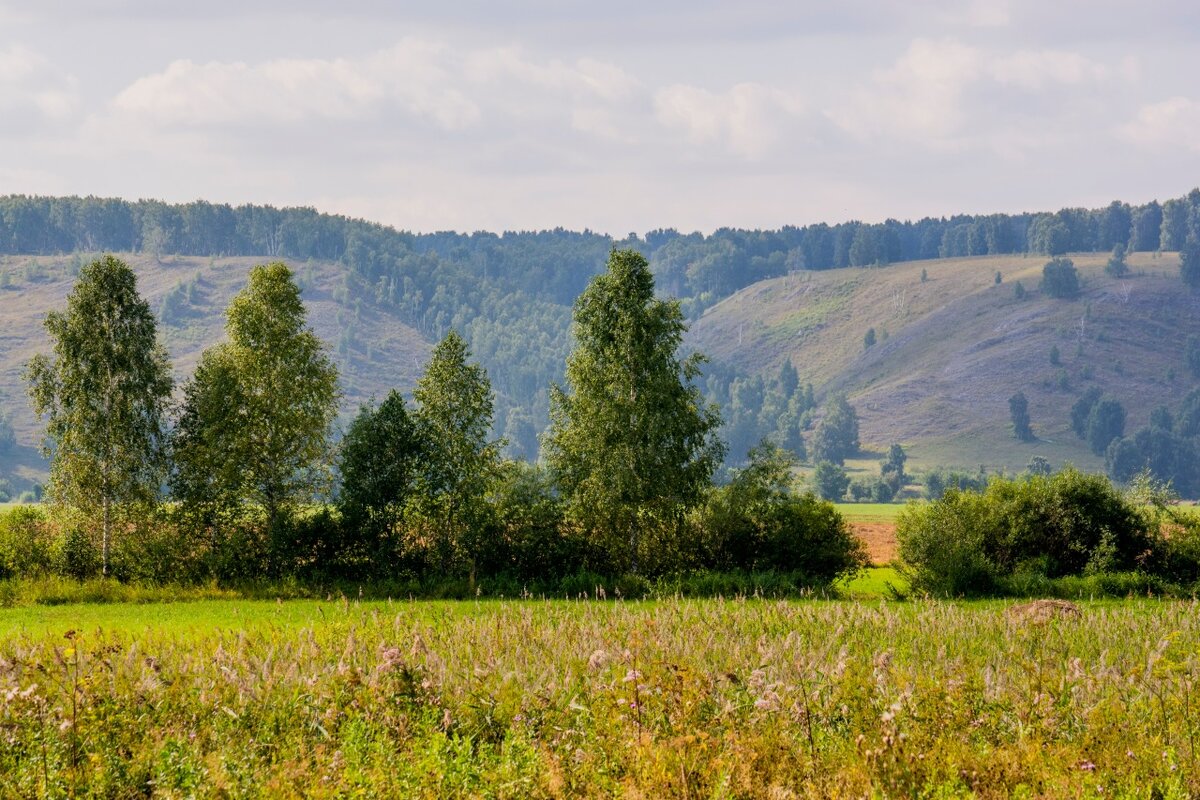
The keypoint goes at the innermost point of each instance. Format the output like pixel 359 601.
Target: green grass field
pixel 737 698
pixel 870 512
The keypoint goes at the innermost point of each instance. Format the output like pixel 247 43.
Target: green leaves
pixel 632 444
pixel 455 415
pixel 256 415
pixel 104 395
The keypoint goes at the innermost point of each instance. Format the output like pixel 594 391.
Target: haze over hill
pixel 951 348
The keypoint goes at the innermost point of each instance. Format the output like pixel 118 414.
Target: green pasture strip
pixel 873 583
pixel 870 512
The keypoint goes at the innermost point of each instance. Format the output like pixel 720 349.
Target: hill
pixel 380 353
pixel 947 352
pixel 951 349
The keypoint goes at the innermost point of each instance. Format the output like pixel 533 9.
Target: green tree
pixel 253 431
pixel 830 480
pixel 1018 409
pixel 1018 291
pixel 1082 409
pixel 381 457
pixel 104 395
pixel 8 437
pixel 1116 266
pixel 869 339
pixel 631 443
pixel 1189 262
pixel 455 410
pixel 1039 465
pixel 1106 422
pixel 891 470
pixel 1059 278
pixel 836 436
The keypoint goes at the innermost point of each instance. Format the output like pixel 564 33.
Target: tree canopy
pixel 454 399
pixel 631 442
pixel 253 432
pixel 104 395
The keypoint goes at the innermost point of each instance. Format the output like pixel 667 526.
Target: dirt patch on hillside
pixel 880 538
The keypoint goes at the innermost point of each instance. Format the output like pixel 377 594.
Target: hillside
pixel 953 348
pixel 383 352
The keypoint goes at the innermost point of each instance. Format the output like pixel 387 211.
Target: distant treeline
pixel 558 263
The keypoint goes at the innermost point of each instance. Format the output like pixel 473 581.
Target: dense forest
pixel 510 294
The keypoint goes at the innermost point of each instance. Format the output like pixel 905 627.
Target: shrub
pixel 1059 278
pixel 26 543
pixel 1069 523
pixel 757 523
pixel 77 555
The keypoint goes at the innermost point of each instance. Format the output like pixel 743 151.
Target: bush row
pixel 1032 534
pixel 755 526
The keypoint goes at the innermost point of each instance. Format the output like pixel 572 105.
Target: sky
pixel 617 117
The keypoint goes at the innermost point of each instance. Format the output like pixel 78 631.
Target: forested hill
pixel 383 295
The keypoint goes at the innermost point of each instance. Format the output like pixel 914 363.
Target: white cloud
pixel 748 119
pixel 918 97
pixel 32 90
pixel 1036 70
pixel 411 77
pixel 941 95
pixel 1172 123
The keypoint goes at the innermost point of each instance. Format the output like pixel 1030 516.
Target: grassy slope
pixel 398 351
pixel 958 346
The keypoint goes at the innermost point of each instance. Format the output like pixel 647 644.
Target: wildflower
pixel 597 660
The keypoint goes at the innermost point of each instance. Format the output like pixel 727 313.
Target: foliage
pixel 1193 355
pixel 1116 266
pixel 830 480
pixel 836 436
pixel 631 443
pixel 381 457
pixel 1039 465
pixel 940 479
pixel 253 431
pixel 1106 422
pixel 454 413
pixel 1189 261
pixel 1068 523
pixel 1059 278
pixel 757 522
pixel 869 339
pixel 1018 409
pixel 104 395
pixel 1081 410
pixel 8 437
pixel 891 470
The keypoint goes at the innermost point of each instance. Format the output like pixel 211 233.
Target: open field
pixel 875 524
pixel 554 699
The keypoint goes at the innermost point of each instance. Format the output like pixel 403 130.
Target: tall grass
pixel 676 698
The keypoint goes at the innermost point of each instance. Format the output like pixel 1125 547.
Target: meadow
pixel 668 698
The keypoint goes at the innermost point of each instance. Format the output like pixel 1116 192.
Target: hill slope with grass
pixel 374 350
pixel 953 347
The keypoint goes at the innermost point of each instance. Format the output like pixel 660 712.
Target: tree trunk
pixel 104 540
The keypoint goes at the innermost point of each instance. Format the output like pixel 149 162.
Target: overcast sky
pixel 617 116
